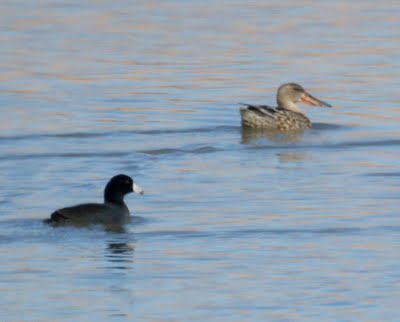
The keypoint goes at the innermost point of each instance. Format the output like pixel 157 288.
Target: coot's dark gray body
pixel 112 212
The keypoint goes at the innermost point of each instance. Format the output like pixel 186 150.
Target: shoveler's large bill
pixel 308 99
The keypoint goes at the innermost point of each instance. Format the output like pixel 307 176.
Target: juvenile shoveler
pixel 287 116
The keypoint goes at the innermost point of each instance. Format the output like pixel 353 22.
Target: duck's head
pixel 291 93
pixel 119 186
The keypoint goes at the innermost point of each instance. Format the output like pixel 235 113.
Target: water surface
pixel 234 225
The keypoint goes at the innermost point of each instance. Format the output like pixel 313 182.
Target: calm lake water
pixel 234 225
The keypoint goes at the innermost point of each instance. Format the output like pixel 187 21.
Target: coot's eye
pixel 128 182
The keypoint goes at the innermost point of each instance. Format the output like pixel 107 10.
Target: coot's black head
pixel 118 187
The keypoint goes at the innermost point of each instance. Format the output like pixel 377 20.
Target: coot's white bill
pixel 137 189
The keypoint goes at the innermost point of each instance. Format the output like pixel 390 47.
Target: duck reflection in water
pixel 120 254
pixel 251 134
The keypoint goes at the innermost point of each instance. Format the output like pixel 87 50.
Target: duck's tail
pixel 55 218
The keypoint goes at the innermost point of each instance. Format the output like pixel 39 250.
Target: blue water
pixel 234 225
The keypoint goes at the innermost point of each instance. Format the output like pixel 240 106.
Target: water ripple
pixel 121 132
pixel 354 144
pixel 384 174
pixel 63 155
pixel 199 150
pixel 279 231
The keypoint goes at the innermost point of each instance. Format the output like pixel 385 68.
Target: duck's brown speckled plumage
pixel 286 116
pixel 261 116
